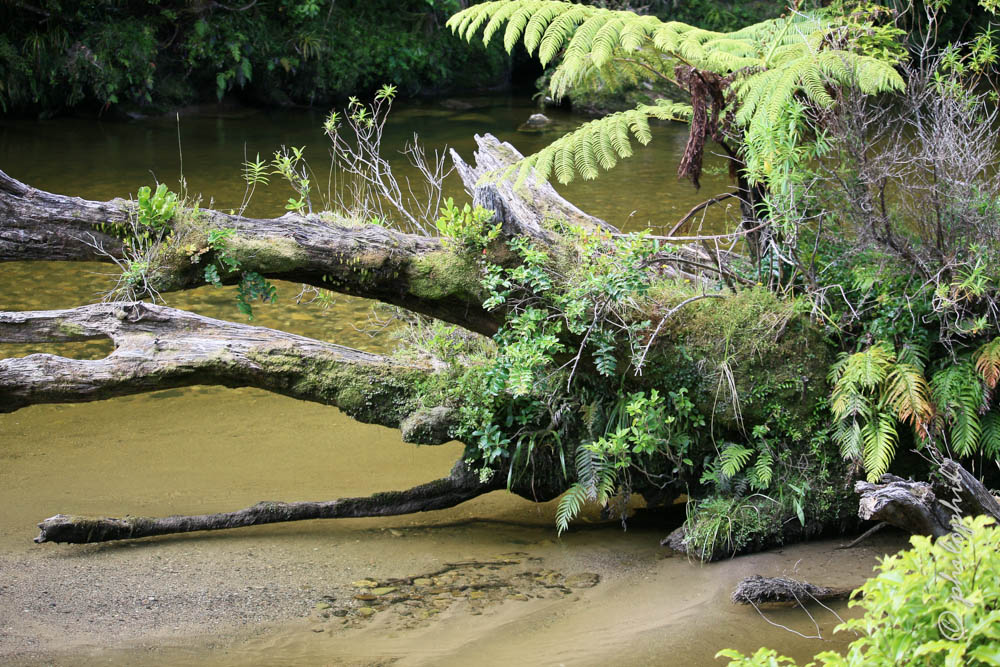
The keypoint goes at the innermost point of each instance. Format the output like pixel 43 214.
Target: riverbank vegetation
pixel 847 313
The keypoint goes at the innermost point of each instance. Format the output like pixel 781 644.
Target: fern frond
pixel 733 458
pixel 879 437
pixel 762 471
pixel 959 395
pixel 990 436
pixel 848 437
pixel 988 362
pixel 569 506
pixel 771 63
pixel 907 394
pixel 587 148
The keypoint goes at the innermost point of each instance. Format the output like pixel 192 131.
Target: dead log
pixel 157 347
pixel 461 485
pixel 757 590
pixel 522 210
pixel 924 508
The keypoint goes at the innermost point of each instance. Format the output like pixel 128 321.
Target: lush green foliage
pixel 937 603
pixel 56 54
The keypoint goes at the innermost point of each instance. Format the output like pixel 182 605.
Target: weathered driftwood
pixel 923 508
pixel 521 209
pixel 159 348
pixel 461 485
pixel 757 590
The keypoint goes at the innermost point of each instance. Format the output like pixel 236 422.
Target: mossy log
pixel 459 486
pixel 924 508
pixel 371 261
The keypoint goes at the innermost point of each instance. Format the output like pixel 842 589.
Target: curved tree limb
pixel 461 485
pixel 159 348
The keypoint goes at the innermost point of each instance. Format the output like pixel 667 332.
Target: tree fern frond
pixel 584 149
pixel 767 65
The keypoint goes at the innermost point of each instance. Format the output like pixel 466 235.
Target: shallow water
pixel 206 449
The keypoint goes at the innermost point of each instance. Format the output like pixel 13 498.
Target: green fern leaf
pixel 879 437
pixel 733 458
pixel 569 506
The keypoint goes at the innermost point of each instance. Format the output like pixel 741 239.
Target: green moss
pixel 762 346
pixel 267 256
pixel 438 275
pixel 371 393
pixel 71 330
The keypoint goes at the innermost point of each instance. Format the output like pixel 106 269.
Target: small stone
pixel 395 533
pixel 422 581
pixel 537 120
pixel 477 595
pixel 383 590
pixel 583 580
pixel 340 612
pixel 364 583
pixel 366 612
pixel 317 629
pixel 520 597
pixel 323 605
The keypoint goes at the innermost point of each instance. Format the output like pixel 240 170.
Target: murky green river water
pixel 210 449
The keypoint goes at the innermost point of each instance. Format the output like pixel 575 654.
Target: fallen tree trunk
pixel 408 270
pixel 461 485
pixel 923 508
pixel 160 348
pixel 370 261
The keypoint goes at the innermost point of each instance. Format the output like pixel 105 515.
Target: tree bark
pixel 159 348
pixel 922 508
pixel 461 485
